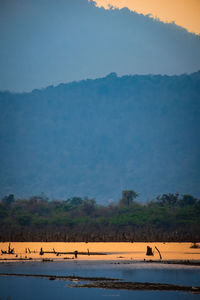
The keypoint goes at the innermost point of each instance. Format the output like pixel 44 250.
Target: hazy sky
pixel 47 42
pixel 185 13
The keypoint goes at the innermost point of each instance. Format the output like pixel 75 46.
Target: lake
pixel 28 288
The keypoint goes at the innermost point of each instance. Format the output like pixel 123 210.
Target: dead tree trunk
pixel 149 251
pixel 158 252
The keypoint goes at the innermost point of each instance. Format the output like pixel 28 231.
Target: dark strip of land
pixel 112 283
pixel 139 286
pixel 167 262
pixel 176 262
pixel 53 277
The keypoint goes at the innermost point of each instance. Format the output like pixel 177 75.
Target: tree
pixel 24 220
pixel 88 205
pixel 128 197
pixel 8 200
pixel 74 201
pixel 168 199
pixel 187 200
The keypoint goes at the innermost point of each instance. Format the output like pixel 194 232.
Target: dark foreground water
pixel 28 288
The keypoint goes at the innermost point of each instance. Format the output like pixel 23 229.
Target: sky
pixel 185 13
pixel 48 42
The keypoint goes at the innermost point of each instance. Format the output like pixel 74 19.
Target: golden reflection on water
pixel 114 251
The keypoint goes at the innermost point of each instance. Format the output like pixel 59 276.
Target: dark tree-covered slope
pixel 98 137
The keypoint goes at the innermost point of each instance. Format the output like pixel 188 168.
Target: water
pixel 28 288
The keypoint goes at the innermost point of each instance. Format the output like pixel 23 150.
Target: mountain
pixel 98 137
pixel 48 42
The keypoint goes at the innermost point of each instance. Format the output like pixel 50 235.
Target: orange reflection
pixel 114 251
pixel 185 13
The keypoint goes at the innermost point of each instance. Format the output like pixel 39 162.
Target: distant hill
pixel 99 137
pixel 73 40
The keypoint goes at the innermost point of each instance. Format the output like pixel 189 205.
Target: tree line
pixel 168 217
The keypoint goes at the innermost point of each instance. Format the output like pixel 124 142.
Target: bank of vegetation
pixel 169 217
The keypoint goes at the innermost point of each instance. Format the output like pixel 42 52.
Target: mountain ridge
pixel 98 137
pixel 195 75
pixel 76 40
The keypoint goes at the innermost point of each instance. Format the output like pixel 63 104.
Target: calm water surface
pixel 22 288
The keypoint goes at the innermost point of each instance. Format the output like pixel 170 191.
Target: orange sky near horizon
pixel 185 13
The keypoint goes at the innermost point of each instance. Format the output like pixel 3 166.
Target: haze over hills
pixel 98 137
pixel 48 42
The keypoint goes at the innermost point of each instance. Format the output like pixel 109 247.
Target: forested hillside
pixel 97 137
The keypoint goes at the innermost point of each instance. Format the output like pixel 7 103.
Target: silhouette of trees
pixel 128 197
